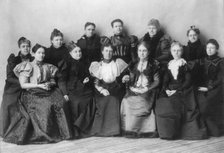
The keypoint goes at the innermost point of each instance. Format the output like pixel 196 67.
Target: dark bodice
pixel 182 82
pixel 72 75
pixel 90 48
pixel 55 55
pixel 194 51
pixel 212 69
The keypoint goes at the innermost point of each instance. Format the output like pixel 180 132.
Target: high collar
pixel 157 36
pixel 194 44
pixel 121 35
pixel 52 46
pixel 38 63
pixel 107 60
pixel 24 57
pixel 213 57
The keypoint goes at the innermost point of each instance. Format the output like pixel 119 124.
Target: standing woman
pixel 138 118
pixel 193 51
pixel 158 41
pixel 90 44
pixel 57 51
pixel 43 108
pixel 177 113
pixel 109 93
pixel 77 87
pixel 210 91
pixel 124 45
pixel 9 112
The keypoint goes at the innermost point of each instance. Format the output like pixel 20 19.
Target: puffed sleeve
pixel 9 69
pixel 104 40
pixel 121 65
pixel 53 70
pixel 95 69
pixel 23 69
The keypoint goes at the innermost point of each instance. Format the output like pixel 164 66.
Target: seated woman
pixel 137 114
pixel 43 107
pixel 177 113
pixel 210 91
pixel 193 51
pixel 9 112
pixel 77 88
pixel 109 93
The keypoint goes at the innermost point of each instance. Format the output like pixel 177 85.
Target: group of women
pixel 117 86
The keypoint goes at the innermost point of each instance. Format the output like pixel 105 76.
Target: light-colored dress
pixel 138 118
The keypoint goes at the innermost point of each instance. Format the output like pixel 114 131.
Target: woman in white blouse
pixel 109 92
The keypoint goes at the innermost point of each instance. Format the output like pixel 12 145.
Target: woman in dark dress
pixel 77 87
pixel 109 93
pixel 210 91
pixel 9 112
pixel 57 51
pixel 90 44
pixel 42 106
pixel 137 114
pixel 158 41
pixel 177 113
pixel 193 51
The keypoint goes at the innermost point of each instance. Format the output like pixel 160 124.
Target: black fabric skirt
pixel 82 108
pixel 107 116
pixel 212 110
pixel 9 106
pixel 178 116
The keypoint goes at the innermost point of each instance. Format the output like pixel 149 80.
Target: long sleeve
pixel 9 70
pixel 156 81
pixel 219 79
pixel 187 82
pixel 62 76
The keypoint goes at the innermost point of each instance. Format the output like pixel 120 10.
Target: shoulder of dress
pixel 11 58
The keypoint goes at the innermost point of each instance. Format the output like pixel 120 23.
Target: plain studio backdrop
pixel 36 19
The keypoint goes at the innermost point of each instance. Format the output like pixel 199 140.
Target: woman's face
pixel 152 30
pixel 90 30
pixel 24 48
pixel 117 28
pixel 39 54
pixel 76 53
pixel 57 41
pixel 192 36
pixel 107 53
pixel 211 49
pixel 176 52
pixel 142 52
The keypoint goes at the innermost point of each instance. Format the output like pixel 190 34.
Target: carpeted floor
pixel 120 145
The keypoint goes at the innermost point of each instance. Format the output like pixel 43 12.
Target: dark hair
pixel 196 30
pixel 106 45
pixel 214 42
pixel 56 33
pixel 116 20
pixel 145 44
pixel 23 40
pixel 71 45
pixel 36 47
pixel 88 24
